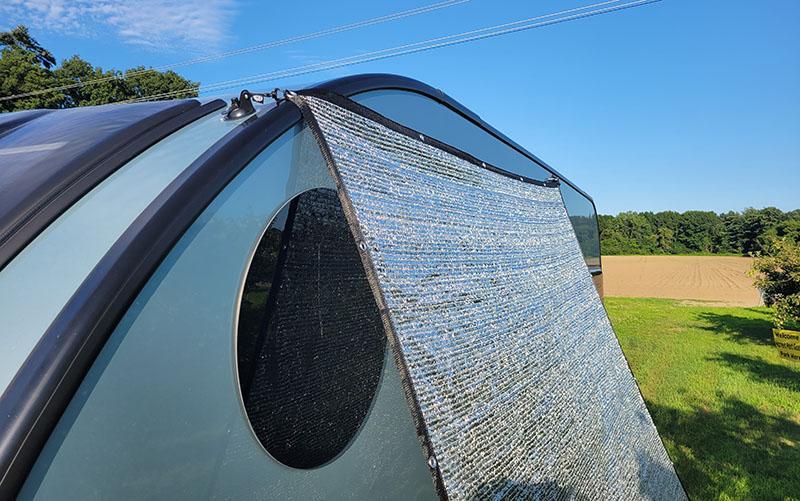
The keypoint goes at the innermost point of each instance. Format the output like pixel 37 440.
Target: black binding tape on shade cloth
pixel 514 376
pixel 349 212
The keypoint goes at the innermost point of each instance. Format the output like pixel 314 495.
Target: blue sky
pixel 676 105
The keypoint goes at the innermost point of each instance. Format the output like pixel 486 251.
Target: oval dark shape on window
pixel 310 340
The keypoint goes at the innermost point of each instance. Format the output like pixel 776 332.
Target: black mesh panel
pixel 311 342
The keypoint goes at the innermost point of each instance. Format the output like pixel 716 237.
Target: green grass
pixel 725 403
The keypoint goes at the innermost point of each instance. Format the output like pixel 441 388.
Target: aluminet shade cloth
pixel 513 372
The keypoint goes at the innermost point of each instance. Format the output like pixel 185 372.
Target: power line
pixel 400 50
pixel 252 48
pixel 435 43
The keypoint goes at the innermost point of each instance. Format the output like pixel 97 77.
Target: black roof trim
pixel 76 178
pixel 358 84
pixel 43 387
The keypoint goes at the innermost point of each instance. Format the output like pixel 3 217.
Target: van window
pixel 584 222
pixel 182 430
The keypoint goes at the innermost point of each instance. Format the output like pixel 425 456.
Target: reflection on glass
pixel 584 222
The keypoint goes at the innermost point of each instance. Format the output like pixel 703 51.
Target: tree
pixel 666 239
pixel 699 230
pixel 20 38
pixel 637 230
pixel 21 72
pixel 145 82
pixel 75 70
pixel 26 66
pixel 667 223
pixel 787 228
pixel 755 224
pixel 777 273
pixel 732 239
pixel 671 232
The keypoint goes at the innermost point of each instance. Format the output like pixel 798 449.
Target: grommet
pixel 362 246
pixel 483 164
pixel 421 137
pixel 432 463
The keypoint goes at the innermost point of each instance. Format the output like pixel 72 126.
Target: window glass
pixel 433 119
pixel 584 221
pixel 437 121
pixel 307 313
pixel 37 283
pixel 160 414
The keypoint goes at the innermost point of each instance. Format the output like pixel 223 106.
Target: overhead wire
pixel 430 44
pixel 247 50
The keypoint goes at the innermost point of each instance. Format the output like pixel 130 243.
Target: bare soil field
pixel 721 280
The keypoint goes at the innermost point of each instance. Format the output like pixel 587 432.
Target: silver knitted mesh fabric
pixel 516 376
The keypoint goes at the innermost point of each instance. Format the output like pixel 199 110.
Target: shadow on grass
pixel 736 450
pixel 738 329
pixel 761 310
pixel 761 370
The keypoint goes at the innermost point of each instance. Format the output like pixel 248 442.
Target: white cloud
pixel 165 25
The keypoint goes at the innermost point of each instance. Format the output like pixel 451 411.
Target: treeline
pixel 26 68
pixel 696 232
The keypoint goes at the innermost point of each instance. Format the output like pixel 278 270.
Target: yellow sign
pixel 788 343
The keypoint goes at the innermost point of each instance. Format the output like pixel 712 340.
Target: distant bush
pixel 696 232
pixel 777 272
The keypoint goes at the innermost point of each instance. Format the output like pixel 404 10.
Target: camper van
pixel 163 266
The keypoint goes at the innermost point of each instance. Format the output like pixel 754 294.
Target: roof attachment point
pixel 553 181
pixel 242 106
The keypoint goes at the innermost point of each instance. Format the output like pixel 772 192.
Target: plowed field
pixel 718 279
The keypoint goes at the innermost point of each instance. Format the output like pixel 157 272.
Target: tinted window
pixel 311 341
pixel 584 221
pixel 160 414
pixel 433 119
pixel 73 243
pixel 30 298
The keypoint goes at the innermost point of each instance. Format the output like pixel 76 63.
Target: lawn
pixel 725 403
